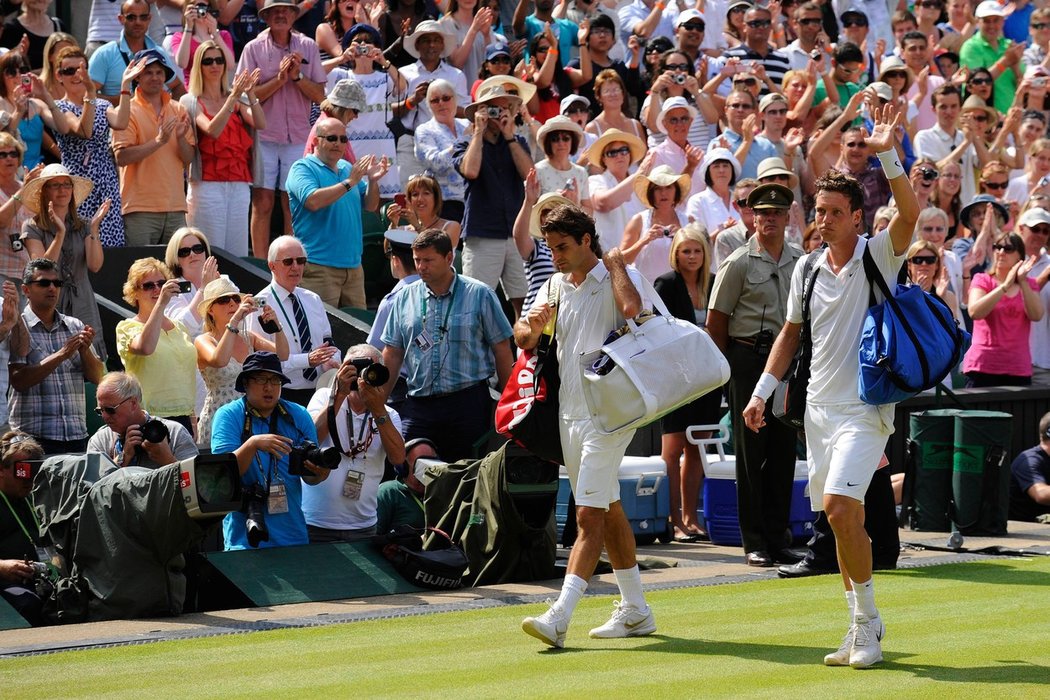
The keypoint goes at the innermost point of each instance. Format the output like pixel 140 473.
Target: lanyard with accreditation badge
pixel 423 340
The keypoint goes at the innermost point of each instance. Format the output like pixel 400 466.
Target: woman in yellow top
pixel 154 349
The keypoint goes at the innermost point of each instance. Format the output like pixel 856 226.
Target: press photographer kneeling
pixel 275 444
pixel 131 437
pixel 21 553
pixel 351 416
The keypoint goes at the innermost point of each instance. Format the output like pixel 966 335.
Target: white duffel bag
pixel 658 366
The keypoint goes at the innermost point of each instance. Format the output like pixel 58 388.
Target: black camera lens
pixel 373 373
pixel 306 451
pixel 253 505
pixel 154 431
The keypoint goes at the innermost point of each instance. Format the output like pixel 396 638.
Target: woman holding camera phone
pixel 156 350
pixel 226 342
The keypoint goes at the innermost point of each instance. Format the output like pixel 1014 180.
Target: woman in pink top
pixel 1003 305
pixel 200 23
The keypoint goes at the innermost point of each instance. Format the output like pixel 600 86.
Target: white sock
pixel 572 590
pixel 630 584
pixel 851 603
pixel 865 593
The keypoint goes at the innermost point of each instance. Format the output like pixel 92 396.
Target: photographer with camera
pixel 131 437
pixel 349 417
pixel 20 550
pixel 747 310
pixel 275 444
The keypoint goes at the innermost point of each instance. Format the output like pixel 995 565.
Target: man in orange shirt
pixel 152 155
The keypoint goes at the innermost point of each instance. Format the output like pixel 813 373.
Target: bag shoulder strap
pixel 809 280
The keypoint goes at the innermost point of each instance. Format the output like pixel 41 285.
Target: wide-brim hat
pixel 261 361
pixel 671 104
pixel 771 195
pixel 270 4
pixel 775 166
pixel 973 102
pixel 715 155
pixel 597 149
pixel 429 26
pixel 31 192
pixel 964 215
pixel 526 91
pixel 661 176
pixel 545 203
pixel 492 92
pixel 217 288
pixel 560 123
pixel 892 64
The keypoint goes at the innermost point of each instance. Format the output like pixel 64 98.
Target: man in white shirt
pixel 302 315
pixel 595 295
pixel 350 415
pixel 1034 227
pixel 944 142
pixel 845 439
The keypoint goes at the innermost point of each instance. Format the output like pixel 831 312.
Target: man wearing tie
pixel 311 350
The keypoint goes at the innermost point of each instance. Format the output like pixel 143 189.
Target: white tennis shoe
pixel 550 627
pixel 626 621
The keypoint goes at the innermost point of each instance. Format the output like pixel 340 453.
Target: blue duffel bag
pixel 909 343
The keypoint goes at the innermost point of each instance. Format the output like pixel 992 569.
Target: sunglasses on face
pixel 929 5
pixel 621 151
pixel 1039 25
pixel 854 23
pixel 1042 230
pixel 332 138
pixel 855 144
pixel 1004 248
pixel 110 410
pixel 995 185
pixel 922 259
pixel 693 26
pixel 759 23
pixel 138 18
pixel 739 105
pixel 677 121
pixel 12 71
pixel 895 74
pixel 227 298
pixel 68 71
pixel 440 98
pixel 750 82
pixel 198 249
pixel 741 204
pixel 8 154
pixel 287 262
pixel 933 229
pixel 776 112
pixel 150 286
pixel 810 21
pixel 214 60
pixel 44 284
pixel 500 59
pixel 677 66
pixel 980 81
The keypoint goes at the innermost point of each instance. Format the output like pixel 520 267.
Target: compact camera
pixel 269 326
pixel 16 242
pixel 202 10
pixel 306 451
pixel 373 373
pixel 362 49
pixel 493 112
pixel 185 286
pixel 679 78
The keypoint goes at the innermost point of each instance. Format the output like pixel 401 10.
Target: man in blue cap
pixel 261 430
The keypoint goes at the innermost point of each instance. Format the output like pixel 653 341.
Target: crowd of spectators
pixel 189 124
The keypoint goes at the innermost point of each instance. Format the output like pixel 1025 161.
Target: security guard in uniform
pixel 747 310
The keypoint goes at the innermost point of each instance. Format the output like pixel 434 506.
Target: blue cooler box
pixel 644 495
pixel 720 512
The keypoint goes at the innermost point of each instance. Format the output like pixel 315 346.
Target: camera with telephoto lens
pixel 152 431
pixel 373 373
pixel 679 78
pixel 493 112
pixel 253 505
pixel 306 451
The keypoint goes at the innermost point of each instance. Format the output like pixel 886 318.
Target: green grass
pixel 954 631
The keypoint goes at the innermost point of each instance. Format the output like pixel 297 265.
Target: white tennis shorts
pixel 593 462
pixel 845 443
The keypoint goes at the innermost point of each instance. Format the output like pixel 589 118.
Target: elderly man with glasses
pixel 326 195
pixel 126 438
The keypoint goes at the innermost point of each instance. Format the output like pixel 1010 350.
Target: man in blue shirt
pixel 107 64
pixel 451 335
pixel 260 430
pixel 325 195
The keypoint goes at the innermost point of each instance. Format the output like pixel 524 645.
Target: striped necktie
pixel 305 344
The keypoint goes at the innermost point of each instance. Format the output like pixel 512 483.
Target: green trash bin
pixel 981 472
pixel 932 434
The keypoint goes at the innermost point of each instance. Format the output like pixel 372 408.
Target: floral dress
pixel 93 159
pixel 220 382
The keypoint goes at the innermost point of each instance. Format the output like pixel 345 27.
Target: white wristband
pixel 891 164
pixel 767 383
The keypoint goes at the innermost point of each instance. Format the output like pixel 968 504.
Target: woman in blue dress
pixel 85 149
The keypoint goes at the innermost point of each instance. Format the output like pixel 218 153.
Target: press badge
pixel 352 485
pixel 423 341
pixel 277 502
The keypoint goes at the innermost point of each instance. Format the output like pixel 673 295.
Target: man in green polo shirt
pixel 988 48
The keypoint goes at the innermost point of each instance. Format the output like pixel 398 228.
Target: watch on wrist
pixel 346 185
pixel 380 420
pixel 233 329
